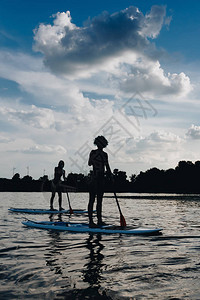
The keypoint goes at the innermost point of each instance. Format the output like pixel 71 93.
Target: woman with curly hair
pixel 98 159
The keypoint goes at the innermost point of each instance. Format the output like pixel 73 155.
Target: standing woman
pixel 98 159
pixel 56 185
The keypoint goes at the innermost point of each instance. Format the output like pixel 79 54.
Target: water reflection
pixel 58 217
pixel 40 264
pixel 60 252
pixel 81 260
pixel 93 268
pixel 54 252
pixel 79 264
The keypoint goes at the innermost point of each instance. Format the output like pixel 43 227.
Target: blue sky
pixel 70 70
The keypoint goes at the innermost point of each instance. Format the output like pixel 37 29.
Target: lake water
pixel 41 264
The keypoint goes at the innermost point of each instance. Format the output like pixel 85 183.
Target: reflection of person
pixel 59 172
pixel 98 159
pixel 93 268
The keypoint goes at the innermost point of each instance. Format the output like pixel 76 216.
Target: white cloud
pixel 36 117
pixel 158 149
pixel 92 72
pixel 153 21
pixel 18 61
pixel 116 45
pixel 149 78
pixel 44 149
pixel 194 132
pixel 5 139
pixel 164 137
pixel 44 88
pixel 68 48
pixel 157 141
pixel 47 37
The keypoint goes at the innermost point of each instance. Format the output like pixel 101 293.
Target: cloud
pixel 89 75
pixel 4 139
pixel 159 149
pixel 153 21
pixel 36 149
pixel 158 140
pixel 44 87
pixel 41 118
pixel 68 48
pixel 193 132
pixel 164 137
pixel 148 77
pixel 44 149
pixel 114 46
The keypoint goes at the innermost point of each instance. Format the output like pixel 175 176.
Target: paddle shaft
pixel 122 219
pixel 71 211
pixel 118 204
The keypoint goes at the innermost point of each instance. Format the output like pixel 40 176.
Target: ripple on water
pixel 38 264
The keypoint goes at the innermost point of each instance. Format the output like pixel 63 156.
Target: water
pixel 40 264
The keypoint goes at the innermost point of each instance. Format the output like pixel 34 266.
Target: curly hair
pixel 100 141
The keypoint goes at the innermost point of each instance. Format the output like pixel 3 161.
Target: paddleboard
pixel 46 211
pixel 83 228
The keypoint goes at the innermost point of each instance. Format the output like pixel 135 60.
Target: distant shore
pixel 8 185
pixel 185 178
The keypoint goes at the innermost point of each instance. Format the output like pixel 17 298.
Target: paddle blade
pixel 122 221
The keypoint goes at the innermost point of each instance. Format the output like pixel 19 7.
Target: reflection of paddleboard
pixel 46 211
pixel 82 227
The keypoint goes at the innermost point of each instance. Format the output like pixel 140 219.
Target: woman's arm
pixel 64 175
pixel 90 161
pixel 107 165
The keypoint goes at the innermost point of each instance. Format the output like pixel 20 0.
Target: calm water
pixel 40 264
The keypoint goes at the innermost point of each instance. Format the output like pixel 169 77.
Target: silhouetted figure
pixel 99 160
pixel 56 186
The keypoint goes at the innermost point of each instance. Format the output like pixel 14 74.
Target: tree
pixel 27 178
pixel 133 178
pixel 16 177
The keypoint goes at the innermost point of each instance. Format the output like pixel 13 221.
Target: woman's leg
pixel 60 200
pixel 99 207
pixel 90 207
pixel 100 192
pixel 53 190
pixel 52 198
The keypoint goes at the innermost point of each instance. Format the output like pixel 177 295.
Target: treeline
pixel 183 179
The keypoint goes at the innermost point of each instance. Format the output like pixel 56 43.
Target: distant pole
pixel 27 170
pixel 44 172
pixel 14 171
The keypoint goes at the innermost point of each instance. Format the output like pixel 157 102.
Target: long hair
pixel 61 164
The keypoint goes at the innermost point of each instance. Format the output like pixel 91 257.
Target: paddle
pixel 122 219
pixel 70 209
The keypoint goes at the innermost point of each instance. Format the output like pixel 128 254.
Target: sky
pixel 73 70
